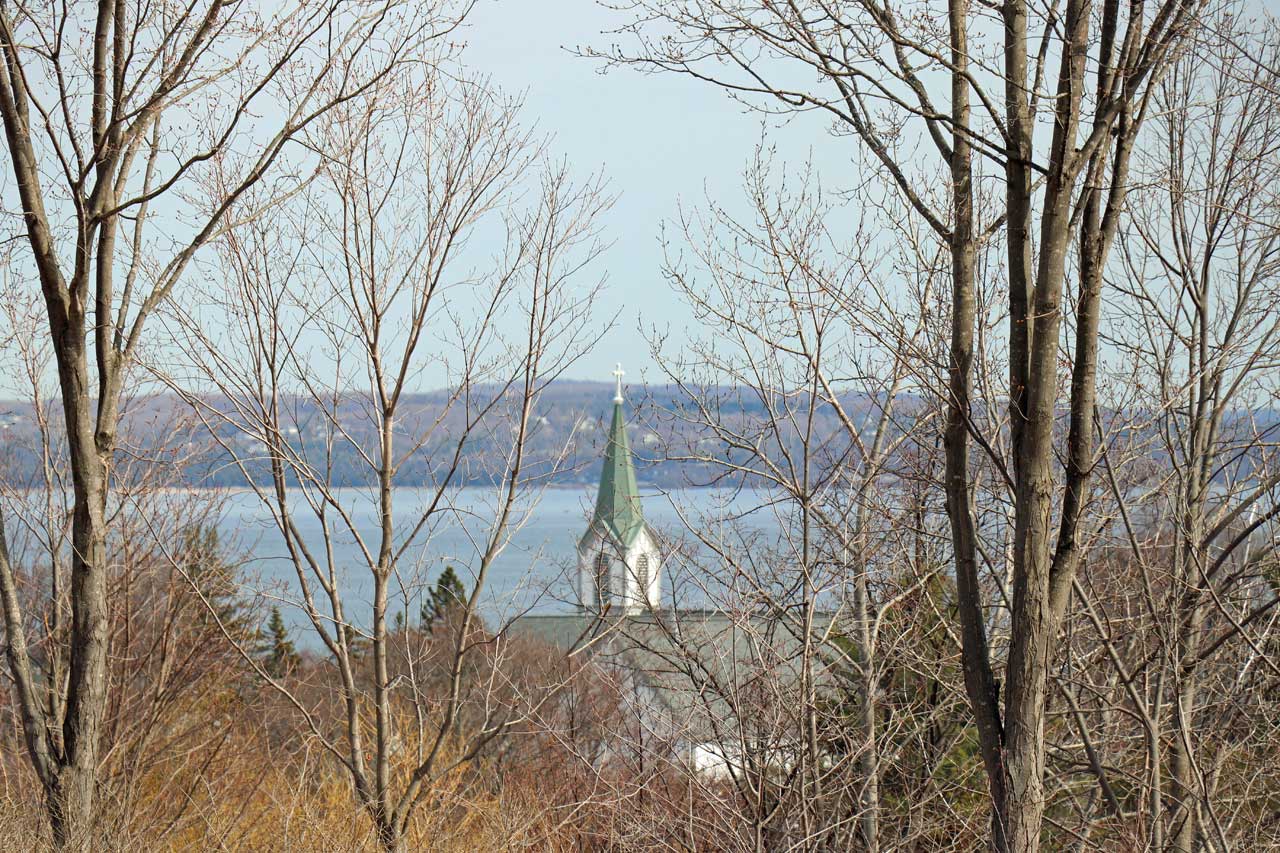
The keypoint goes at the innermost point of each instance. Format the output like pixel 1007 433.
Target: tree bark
pixel 978 675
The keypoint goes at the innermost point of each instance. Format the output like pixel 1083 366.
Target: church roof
pixel 703 666
pixel 618 502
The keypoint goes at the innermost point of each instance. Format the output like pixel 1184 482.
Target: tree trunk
pixel 979 683
pixel 71 810
pixel 869 796
pixel 389 839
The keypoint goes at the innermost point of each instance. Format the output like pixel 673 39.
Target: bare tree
pixel 112 119
pixel 1052 118
pixel 169 678
pixel 339 307
pixel 1187 564
pixel 796 407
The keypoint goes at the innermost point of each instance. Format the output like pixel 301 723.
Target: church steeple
pixel 617 556
pixel 618 501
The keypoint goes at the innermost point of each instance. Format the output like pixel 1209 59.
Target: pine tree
pixel 447 595
pixel 203 562
pixel 282 657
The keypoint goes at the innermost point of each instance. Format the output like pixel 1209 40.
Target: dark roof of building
pixel 702 666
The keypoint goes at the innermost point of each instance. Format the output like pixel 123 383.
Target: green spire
pixel 618 504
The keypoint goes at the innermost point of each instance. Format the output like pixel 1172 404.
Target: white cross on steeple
pixel 618 373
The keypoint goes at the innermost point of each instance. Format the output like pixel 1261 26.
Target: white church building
pixel 673 657
pixel 619 565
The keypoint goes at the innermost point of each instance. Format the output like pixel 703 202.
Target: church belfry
pixel 618 560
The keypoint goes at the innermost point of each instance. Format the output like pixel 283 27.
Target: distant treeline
pixel 203 448
pixel 671 443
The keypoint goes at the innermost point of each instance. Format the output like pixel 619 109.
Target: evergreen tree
pixel 202 560
pixel 282 657
pixel 447 595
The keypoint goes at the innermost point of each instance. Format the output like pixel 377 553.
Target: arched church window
pixel 603 592
pixel 642 574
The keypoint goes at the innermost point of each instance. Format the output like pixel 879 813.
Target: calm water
pixel 531 573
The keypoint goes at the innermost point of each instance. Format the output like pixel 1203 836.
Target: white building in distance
pixel 619 564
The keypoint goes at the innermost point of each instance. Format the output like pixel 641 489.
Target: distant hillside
pixel 571 417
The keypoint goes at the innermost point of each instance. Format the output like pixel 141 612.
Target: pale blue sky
pixel 661 141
